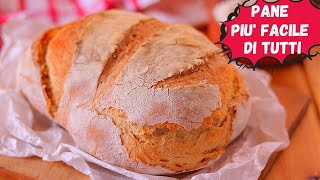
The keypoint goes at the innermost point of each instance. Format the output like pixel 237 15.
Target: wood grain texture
pixel 312 70
pixel 35 168
pixel 296 105
pixel 12 175
pixel 301 159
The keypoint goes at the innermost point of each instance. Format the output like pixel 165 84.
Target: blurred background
pixel 198 13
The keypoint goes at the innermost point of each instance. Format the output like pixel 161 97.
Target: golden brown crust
pixel 39 51
pixel 171 146
pixel 62 50
pixel 139 93
pixel 133 40
pixel 60 55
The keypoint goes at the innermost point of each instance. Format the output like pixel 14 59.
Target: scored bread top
pixel 168 53
pixel 117 58
pixel 93 35
pixel 127 85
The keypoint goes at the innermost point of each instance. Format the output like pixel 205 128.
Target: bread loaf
pixel 135 92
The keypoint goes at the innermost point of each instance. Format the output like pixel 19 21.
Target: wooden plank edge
pixel 273 158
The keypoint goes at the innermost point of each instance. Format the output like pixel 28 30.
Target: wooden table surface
pixel 301 160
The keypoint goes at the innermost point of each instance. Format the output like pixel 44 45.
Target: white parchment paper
pixel 24 132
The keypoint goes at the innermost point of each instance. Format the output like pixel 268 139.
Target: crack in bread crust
pixel 170 145
pixel 62 49
pixel 203 61
pixel 134 39
pixel 39 49
pixel 168 68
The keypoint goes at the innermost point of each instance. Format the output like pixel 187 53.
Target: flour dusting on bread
pixel 135 92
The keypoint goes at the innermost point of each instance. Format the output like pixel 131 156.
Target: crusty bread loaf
pixel 136 92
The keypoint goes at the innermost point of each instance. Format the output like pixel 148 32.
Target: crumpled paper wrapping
pixel 25 132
